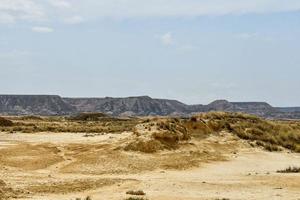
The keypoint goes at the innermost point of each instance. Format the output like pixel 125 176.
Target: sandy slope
pixel 248 174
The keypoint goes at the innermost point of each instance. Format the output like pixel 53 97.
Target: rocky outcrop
pixel 141 106
pixel 257 108
pixel 34 105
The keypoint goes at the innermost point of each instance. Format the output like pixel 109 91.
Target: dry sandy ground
pixel 66 166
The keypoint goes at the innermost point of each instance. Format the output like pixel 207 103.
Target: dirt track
pixel 65 166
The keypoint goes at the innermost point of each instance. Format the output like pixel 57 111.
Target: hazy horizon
pixel 192 51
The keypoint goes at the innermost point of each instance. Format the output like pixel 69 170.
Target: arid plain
pixel 93 156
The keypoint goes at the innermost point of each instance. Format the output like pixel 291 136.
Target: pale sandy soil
pixel 65 166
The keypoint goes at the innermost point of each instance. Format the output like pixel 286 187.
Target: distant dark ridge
pixel 34 105
pixel 145 106
pixel 132 106
pixel 140 106
pixel 289 109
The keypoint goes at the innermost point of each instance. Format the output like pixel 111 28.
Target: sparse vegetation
pixel 89 117
pixel 61 124
pixel 31 117
pixel 86 198
pixel 137 192
pixel 171 132
pixel 267 146
pixel 270 134
pixel 290 170
pixel 166 133
pixel 170 144
pixel 136 198
pixel 6 192
pixel 147 146
pixel 5 122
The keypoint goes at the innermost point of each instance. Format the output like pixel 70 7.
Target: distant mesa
pixel 47 105
pixel 34 105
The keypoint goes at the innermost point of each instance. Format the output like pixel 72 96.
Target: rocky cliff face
pixel 141 106
pixel 257 108
pixel 34 105
pixel 289 109
pixel 131 106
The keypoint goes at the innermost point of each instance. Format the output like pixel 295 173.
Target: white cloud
pixel 15 10
pixel 11 10
pixel 42 29
pixel 60 3
pixel 167 39
pixel 74 20
pixel 180 8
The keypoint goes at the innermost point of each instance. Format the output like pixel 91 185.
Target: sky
pixel 195 51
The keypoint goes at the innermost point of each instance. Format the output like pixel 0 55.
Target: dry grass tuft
pixel 6 192
pixel 5 122
pixel 86 198
pixel 89 116
pixel 166 134
pixel 29 124
pixel 270 134
pixel 290 170
pixel 32 117
pixel 137 193
pixel 136 198
pixel 268 147
pixel 148 146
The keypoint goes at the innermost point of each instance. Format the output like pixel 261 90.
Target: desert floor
pixel 65 166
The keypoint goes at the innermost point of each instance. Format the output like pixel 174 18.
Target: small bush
pixel 136 198
pixel 89 116
pixel 272 135
pixel 194 119
pixel 149 146
pixel 138 192
pixel 290 170
pixel 271 147
pixel 88 198
pixel 267 146
pixel 32 117
pixel 5 122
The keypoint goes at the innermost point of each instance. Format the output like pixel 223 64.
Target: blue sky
pixel 195 51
